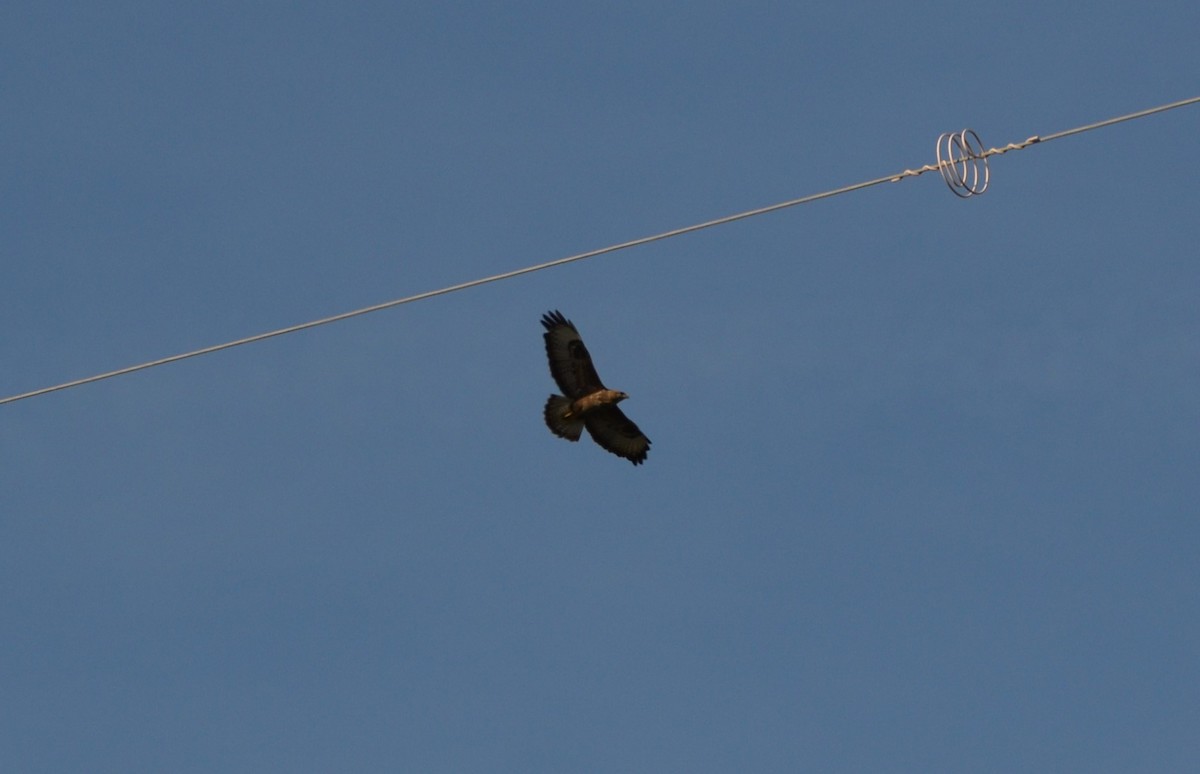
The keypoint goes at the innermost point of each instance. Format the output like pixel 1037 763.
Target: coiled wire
pixel 963 163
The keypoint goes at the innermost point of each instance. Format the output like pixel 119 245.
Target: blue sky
pixel 923 489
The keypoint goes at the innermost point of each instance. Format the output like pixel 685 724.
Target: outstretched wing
pixel 615 432
pixel 570 364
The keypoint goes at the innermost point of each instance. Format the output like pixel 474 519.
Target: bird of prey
pixel 587 402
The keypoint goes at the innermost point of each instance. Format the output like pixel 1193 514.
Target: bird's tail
pixel 557 408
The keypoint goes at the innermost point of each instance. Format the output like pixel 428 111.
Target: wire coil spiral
pixel 963 162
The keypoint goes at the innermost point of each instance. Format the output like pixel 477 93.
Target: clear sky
pixel 924 487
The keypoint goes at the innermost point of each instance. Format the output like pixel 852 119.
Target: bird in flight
pixel 587 402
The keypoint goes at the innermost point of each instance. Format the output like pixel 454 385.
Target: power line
pixel 947 166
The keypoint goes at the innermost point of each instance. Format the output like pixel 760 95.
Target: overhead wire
pixel 941 166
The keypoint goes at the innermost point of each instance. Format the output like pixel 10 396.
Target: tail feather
pixel 562 426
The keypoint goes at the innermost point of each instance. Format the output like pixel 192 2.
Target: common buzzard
pixel 588 403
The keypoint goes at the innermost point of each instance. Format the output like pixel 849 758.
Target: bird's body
pixel 587 402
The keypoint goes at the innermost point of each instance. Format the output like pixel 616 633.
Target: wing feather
pixel 617 433
pixel 570 364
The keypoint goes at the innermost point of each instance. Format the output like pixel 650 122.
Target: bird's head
pixel 620 396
